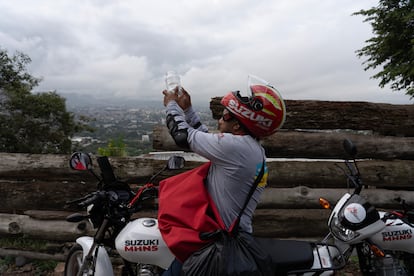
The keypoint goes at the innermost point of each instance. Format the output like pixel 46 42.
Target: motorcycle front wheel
pixel 74 261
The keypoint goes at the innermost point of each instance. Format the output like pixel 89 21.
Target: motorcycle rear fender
pixel 103 263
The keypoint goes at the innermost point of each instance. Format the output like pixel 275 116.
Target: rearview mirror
pixel 175 162
pixel 80 161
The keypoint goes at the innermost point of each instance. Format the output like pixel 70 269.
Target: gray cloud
pixel 123 48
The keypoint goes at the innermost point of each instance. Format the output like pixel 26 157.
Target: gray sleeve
pixel 177 125
pixel 216 147
pixel 192 118
pixel 212 146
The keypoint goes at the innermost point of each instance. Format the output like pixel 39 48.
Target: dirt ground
pixel 31 270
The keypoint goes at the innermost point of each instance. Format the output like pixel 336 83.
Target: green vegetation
pixel 43 265
pixel 115 147
pixel 23 243
pixel 40 267
pixel 31 123
pixel 392 47
pixel 5 262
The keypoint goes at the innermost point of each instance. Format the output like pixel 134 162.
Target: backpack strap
pixel 235 226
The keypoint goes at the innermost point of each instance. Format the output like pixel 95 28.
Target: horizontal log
pixel 58 230
pixel 304 197
pixel 55 167
pixel 385 119
pixel 281 198
pixel 275 223
pixel 34 255
pixel 322 145
pixel 395 174
pixel 282 223
pixel 48 214
pixel 33 192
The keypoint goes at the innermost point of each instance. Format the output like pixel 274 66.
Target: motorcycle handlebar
pixel 75 201
pixel 92 198
pixel 88 199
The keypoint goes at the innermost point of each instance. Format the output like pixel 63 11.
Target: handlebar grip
pixel 92 199
pixel 76 201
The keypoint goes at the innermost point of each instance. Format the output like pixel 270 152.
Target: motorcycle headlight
pixel 340 232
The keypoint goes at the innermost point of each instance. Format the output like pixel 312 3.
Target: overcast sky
pixel 306 48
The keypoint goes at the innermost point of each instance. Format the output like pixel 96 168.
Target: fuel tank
pixel 140 242
pixel 397 235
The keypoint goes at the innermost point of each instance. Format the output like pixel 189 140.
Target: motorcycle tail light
pixel 342 233
pixel 324 203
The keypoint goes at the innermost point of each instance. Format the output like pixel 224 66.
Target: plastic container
pixel 172 80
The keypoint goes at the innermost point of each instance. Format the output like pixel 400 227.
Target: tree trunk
pixel 304 197
pixel 54 230
pixel 55 167
pixel 274 223
pixel 325 174
pixel 300 144
pixel 50 192
pixel 32 255
pixel 385 119
pixel 293 144
pixel 282 223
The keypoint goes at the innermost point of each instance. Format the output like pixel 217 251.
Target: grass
pixel 23 243
pixel 6 261
pixel 41 267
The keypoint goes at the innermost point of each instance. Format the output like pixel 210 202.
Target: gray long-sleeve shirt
pixel 236 162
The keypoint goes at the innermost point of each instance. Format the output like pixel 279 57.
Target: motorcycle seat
pixel 288 255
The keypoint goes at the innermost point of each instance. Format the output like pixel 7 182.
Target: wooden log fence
pixel 308 151
pixel 47 192
pixel 305 144
pixel 384 119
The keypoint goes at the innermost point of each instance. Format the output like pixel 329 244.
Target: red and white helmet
pixel 263 113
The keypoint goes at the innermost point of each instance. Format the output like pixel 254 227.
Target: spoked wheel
pixel 74 261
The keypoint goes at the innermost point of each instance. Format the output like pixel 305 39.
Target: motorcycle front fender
pixel 103 264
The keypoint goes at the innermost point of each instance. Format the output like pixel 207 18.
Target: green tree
pixel 13 72
pixel 32 123
pixel 115 147
pixel 392 47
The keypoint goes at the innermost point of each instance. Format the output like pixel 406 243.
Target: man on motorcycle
pixel 235 152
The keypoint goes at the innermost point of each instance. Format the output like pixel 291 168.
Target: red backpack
pixel 186 210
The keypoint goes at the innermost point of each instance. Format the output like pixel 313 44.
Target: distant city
pixel 132 122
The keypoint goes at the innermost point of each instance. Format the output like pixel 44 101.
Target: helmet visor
pixel 250 100
pixel 253 81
